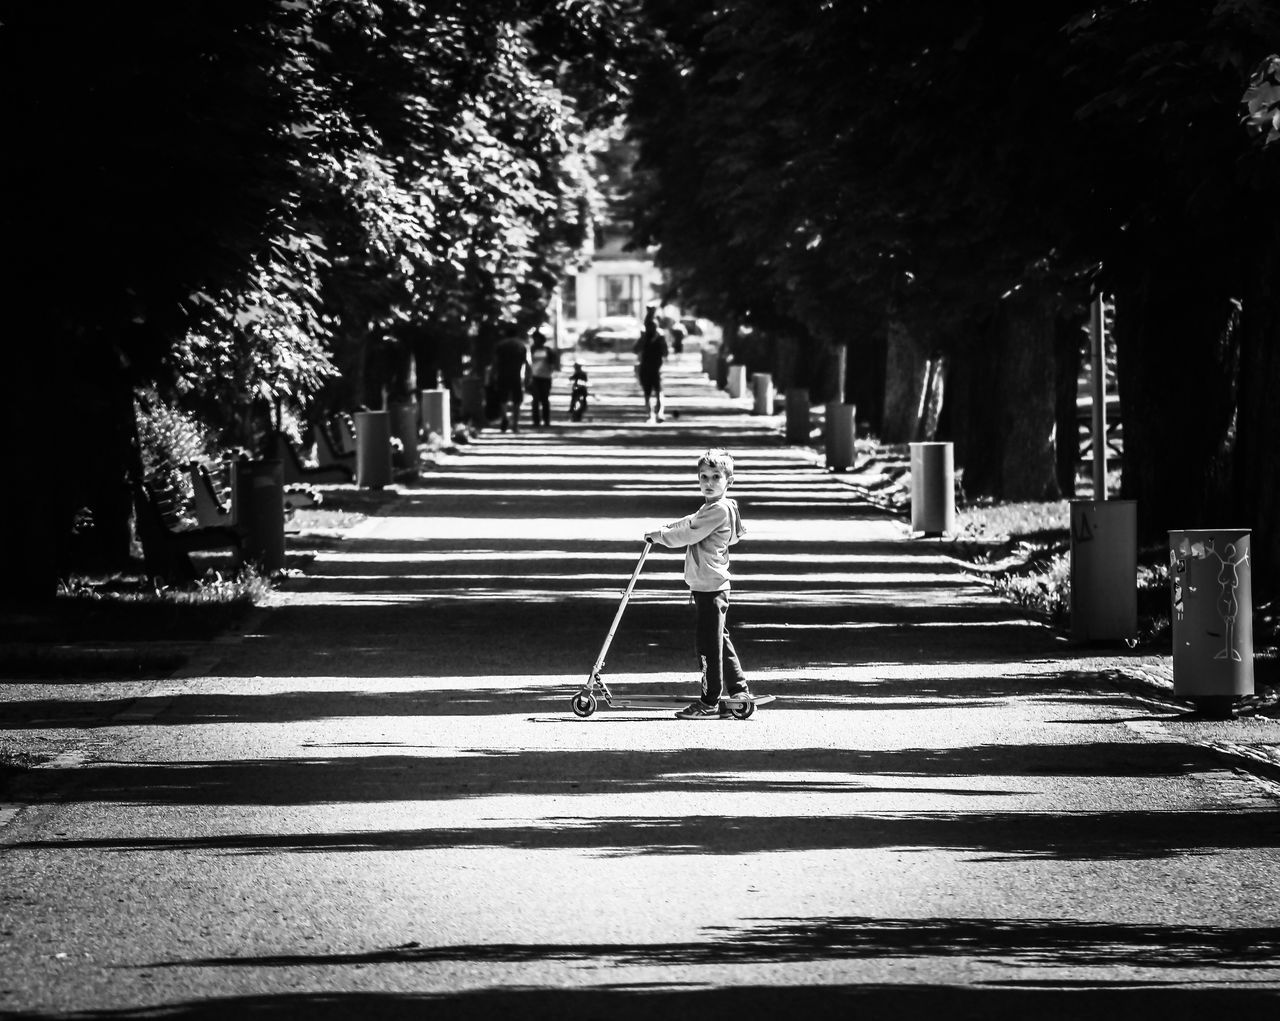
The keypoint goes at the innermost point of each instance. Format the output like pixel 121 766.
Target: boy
pixel 707 535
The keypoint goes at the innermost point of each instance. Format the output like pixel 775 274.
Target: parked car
pixel 612 333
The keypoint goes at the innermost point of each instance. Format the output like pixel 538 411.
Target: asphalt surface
pixel 376 802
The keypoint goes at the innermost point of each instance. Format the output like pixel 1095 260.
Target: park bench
pixel 209 507
pixel 328 450
pixel 295 470
pixel 344 433
pixel 167 544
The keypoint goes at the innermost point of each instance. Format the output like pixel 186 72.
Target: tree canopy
pixel 232 201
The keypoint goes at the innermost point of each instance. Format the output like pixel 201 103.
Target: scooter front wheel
pixel 583 704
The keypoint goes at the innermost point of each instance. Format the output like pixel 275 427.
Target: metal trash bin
pixel 1104 570
pixel 762 394
pixel 839 432
pixel 373 449
pixel 257 502
pixel 798 416
pixel 1211 589
pixel 435 413
pixel 933 488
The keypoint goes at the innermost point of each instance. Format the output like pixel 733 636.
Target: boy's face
pixel 712 481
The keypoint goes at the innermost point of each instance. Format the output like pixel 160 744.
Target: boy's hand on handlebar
pixel 652 536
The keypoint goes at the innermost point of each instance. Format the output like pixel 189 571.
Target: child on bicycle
pixel 706 536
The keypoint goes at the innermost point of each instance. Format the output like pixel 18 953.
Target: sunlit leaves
pixel 1262 102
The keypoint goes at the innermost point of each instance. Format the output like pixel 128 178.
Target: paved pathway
pixel 377 802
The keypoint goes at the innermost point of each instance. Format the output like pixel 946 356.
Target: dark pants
pixel 512 395
pixel 721 671
pixel 541 391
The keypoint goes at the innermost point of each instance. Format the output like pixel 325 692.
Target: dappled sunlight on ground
pixel 377 801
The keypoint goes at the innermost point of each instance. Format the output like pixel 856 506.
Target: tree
pixel 155 161
pixel 856 167
pixel 1182 226
pixel 233 188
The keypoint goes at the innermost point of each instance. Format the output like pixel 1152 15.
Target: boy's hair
pixel 717 457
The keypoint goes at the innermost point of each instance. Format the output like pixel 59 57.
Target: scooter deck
pixel 753 699
pixel 668 701
pixel 588 700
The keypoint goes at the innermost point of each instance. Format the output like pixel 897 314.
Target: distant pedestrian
pixel 510 372
pixel 545 362
pixel 652 352
pixel 578 393
pixel 706 536
pixel 677 339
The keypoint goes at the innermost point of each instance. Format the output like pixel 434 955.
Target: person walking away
pixel 545 361
pixel 652 349
pixel 706 536
pixel 511 368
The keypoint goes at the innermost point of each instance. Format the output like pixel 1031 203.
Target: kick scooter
pixel 596 694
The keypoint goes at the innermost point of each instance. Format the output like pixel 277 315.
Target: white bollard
pixel 762 394
pixel 737 381
pixel 435 413
pixel 933 488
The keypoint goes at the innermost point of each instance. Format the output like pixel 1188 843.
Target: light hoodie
pixel 706 535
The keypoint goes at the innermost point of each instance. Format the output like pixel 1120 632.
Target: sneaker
pixel 699 711
pixel 726 710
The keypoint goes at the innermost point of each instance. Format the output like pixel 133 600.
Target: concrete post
pixel 840 432
pixel 762 394
pixel 933 488
pixel 373 449
pixel 404 423
pixel 1104 570
pixel 798 416
pixel 257 497
pixel 435 413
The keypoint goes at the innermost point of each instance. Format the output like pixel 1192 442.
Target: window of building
pixel 621 295
pixel 569 296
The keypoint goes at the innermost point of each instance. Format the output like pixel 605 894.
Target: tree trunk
pixel 1003 407
pixel 44 454
pixel 931 399
pixel 971 417
pixel 1068 340
pixel 865 385
pixel 1256 469
pixel 37 518
pixel 906 372
pixel 1175 371
pixel 824 382
pixel 1027 399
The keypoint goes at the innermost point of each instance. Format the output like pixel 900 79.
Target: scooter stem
pixel 617 617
